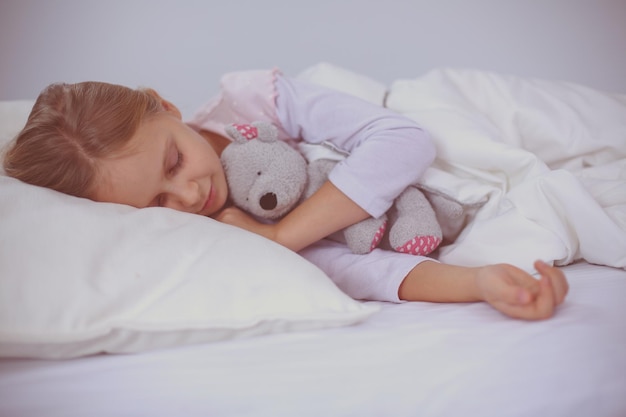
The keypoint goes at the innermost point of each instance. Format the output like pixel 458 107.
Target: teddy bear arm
pixel 362 237
pixel 317 173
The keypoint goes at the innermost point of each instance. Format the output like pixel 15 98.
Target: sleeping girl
pixel 110 143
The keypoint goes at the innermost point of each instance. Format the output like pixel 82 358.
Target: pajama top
pixel 384 153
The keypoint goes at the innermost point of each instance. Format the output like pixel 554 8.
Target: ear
pixel 167 105
pixel 267 132
pixel 238 133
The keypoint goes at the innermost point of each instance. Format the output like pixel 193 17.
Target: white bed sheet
pixel 413 359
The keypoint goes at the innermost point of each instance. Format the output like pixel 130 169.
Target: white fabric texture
pixel 412 359
pixel 346 81
pixel 80 278
pixel 549 159
pixel 540 164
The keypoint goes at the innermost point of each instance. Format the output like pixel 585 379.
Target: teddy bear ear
pixel 267 132
pixel 241 133
pixel 235 133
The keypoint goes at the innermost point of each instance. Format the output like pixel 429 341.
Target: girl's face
pixel 167 164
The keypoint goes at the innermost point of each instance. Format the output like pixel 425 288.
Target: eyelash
pixel 173 170
pixel 178 164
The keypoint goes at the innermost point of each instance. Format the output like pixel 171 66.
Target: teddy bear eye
pixel 258 173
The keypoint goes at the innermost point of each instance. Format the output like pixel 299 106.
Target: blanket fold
pixel 548 159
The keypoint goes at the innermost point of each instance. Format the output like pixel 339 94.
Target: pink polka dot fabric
pixel 420 245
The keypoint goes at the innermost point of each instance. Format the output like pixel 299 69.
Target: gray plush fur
pixel 267 178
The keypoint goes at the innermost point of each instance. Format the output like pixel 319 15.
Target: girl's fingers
pixel 512 286
pixel 511 293
pixel 559 283
pixel 541 307
pixel 557 279
pixel 545 300
pixel 522 280
pixel 524 297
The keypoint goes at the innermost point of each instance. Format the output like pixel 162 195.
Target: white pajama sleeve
pixel 375 277
pixel 387 151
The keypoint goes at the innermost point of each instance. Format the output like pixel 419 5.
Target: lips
pixel 209 200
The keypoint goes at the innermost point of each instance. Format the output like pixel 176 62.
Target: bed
pixel 106 310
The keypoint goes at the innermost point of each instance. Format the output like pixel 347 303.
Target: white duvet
pixel 547 159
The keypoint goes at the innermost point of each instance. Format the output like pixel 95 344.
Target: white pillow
pixel 80 278
pixel 346 81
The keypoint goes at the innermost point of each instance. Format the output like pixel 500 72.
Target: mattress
pixel 412 359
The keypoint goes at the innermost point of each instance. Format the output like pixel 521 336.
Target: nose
pixel 187 195
pixel 268 201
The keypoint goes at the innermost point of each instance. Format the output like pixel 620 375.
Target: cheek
pixel 209 158
pixel 200 160
pixel 213 166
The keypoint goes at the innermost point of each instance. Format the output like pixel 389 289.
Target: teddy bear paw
pixel 420 245
pixel 378 236
pixel 365 235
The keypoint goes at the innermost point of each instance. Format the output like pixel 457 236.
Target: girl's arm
pixel 386 153
pixel 506 288
pixel 325 212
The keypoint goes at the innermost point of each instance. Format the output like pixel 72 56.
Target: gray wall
pixel 182 47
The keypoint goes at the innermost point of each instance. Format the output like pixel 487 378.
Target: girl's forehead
pixel 150 138
pixel 146 137
pixel 133 176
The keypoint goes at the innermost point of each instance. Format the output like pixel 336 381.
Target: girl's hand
pixel 325 212
pixel 515 293
pixel 237 217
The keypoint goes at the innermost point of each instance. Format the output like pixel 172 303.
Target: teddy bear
pixel 267 178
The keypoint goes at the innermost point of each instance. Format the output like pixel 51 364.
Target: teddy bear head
pixel 266 177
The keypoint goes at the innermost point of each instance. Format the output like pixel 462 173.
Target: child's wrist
pixel 277 233
pixel 477 283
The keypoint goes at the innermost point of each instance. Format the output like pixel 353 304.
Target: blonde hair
pixel 73 126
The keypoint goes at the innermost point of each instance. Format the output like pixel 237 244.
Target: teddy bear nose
pixel 268 201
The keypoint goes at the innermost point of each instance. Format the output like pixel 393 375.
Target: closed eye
pixel 174 167
pixel 178 163
pixel 173 161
